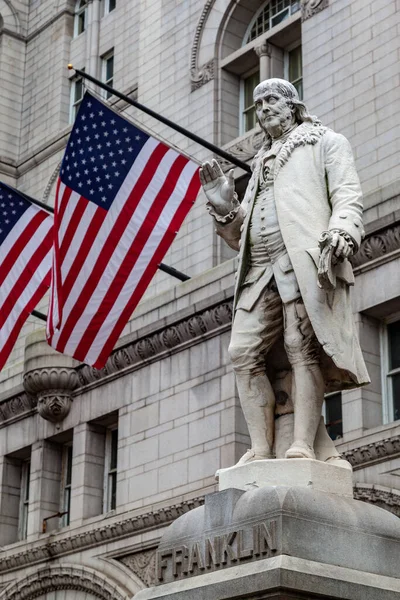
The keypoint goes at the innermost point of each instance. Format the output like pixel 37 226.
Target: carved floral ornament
pixel 63 578
pixel 143 565
pixel 312 7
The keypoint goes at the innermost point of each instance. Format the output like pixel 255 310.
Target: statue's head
pixel 278 106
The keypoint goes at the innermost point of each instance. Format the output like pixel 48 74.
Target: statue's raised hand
pixel 219 189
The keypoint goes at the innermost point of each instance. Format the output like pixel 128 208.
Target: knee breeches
pixel 255 332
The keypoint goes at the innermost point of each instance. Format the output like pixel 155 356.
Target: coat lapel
pixel 306 133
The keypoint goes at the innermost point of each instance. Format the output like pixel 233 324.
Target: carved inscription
pixel 258 541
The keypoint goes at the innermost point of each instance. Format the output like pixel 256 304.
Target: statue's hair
pixel 288 90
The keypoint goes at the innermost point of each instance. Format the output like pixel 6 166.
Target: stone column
pixel 93 32
pixel 88 477
pixel 50 377
pixel 45 486
pixel 264 53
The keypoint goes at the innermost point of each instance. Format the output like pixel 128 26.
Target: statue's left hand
pixel 341 242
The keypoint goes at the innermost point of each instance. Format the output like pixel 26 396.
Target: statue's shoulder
pixel 335 141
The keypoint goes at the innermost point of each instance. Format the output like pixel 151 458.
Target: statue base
pixel 280 542
pixel 298 472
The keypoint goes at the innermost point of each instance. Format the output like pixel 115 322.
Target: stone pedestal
pixel 295 540
pixel 303 472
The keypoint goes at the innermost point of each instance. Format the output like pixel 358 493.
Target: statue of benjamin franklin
pixel 293 339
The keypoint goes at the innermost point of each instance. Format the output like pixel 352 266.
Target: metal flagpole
pixel 185 132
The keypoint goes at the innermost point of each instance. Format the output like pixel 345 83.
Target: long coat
pixel 316 189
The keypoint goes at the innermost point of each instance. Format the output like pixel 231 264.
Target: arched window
pixel 80 17
pixel 269 15
pixel 268 45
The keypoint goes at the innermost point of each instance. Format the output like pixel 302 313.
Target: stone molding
pixel 264 50
pixel 53 387
pixel 201 75
pixel 384 497
pixel 309 8
pixel 245 148
pixel 377 244
pixel 56 578
pixel 47 550
pixel 51 182
pixel 143 565
pixel 168 339
pixel 373 452
pixel 16 406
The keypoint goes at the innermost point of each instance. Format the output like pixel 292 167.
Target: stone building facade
pixel 95 464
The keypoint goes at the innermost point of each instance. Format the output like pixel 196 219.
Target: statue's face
pixel 272 110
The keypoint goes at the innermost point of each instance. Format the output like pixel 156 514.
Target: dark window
pixel 333 415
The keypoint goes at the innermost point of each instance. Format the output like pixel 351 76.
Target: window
pixel 248 112
pixel 108 71
pixel 295 69
pixel 391 369
pixel 270 14
pixel 80 17
pixel 77 92
pixel 250 51
pixel 109 6
pixel 111 465
pixel 24 500
pixel 333 415
pixel 66 477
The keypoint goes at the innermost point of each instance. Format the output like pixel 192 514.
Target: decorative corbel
pixel 49 377
pixel 311 7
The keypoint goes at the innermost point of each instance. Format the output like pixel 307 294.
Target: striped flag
pixel 121 197
pixel 25 263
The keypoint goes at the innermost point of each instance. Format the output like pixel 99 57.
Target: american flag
pixel 25 263
pixel 121 197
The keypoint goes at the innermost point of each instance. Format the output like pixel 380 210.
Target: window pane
pixel 295 71
pixel 78 90
pixel 273 13
pixel 333 405
pixel 114 449
pixel 81 22
pixel 396 396
pixel 113 491
pixel 111 5
pixel 68 466
pixel 279 18
pixel 109 68
pixel 394 345
pixel 249 84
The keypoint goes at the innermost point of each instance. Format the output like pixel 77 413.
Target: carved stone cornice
pixel 56 578
pixel 143 565
pixel 201 75
pixel 245 149
pixel 378 244
pixel 170 338
pixel 96 536
pixel 309 8
pixel 373 452
pixel 382 497
pixel 53 387
pixel 16 406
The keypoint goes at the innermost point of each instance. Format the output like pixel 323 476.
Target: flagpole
pixel 185 132
pixel 39 315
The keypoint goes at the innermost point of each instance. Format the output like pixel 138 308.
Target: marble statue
pixel 293 335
